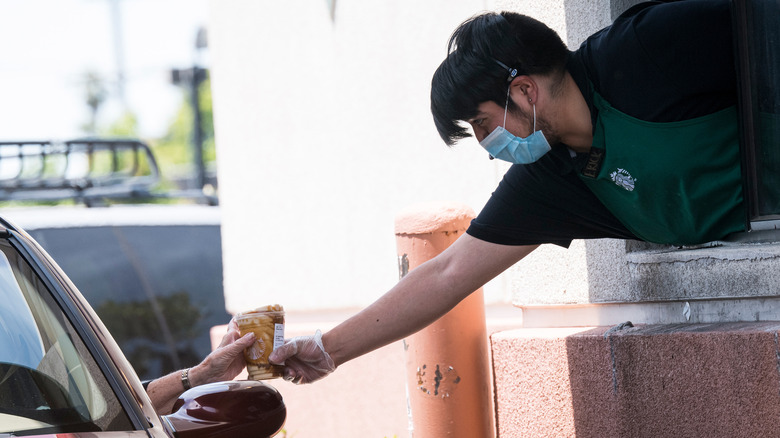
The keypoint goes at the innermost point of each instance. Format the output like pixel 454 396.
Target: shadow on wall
pixel 584 23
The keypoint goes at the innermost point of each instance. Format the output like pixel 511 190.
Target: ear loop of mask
pixel 506 105
pixel 512 74
pixel 506 108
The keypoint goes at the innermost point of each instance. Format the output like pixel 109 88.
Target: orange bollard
pixel 449 380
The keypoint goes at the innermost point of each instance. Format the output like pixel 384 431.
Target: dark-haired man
pixel 632 136
pixel 642 118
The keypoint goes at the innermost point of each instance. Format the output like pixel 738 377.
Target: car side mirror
pixel 228 409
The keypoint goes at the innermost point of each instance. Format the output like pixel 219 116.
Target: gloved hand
pixel 304 358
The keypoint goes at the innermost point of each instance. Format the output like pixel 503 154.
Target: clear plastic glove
pixel 304 358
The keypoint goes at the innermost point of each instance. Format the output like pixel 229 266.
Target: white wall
pixel 324 134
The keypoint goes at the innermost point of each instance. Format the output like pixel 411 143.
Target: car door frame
pixel 105 351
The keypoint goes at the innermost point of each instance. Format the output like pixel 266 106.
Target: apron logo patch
pixel 623 179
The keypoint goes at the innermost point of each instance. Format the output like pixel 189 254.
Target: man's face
pixel 518 122
pixel 490 115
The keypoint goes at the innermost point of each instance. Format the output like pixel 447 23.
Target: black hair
pixel 471 75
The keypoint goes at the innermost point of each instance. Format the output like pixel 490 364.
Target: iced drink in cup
pixel 267 323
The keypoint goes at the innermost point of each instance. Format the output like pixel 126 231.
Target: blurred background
pixel 106 68
pixel 85 84
pixel 323 133
pixel 323 130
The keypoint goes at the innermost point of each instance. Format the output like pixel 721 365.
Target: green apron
pixel 675 183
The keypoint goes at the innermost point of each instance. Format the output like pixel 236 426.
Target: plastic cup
pixel 267 323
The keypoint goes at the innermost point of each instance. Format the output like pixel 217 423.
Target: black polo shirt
pixel 658 62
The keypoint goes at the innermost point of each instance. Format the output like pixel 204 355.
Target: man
pixel 632 136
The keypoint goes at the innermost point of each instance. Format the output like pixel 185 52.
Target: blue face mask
pixel 503 145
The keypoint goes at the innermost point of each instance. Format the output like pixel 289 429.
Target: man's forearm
pixel 425 294
pixel 416 301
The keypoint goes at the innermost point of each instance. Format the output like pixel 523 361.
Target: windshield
pixel 49 381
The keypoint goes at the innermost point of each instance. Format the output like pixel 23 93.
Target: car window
pixel 49 382
pixel 157 288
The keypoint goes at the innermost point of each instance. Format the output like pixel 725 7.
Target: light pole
pixel 192 78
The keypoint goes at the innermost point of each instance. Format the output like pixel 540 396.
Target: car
pixel 62 372
pixel 153 273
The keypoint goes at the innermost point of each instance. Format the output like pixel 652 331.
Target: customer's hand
pixel 226 361
pixel 304 358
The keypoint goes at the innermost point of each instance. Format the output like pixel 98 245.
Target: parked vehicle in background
pixel 61 372
pixel 152 272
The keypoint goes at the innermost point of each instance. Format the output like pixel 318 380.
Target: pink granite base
pixel 706 380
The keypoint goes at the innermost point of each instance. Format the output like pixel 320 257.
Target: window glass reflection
pixel 763 35
pixel 49 382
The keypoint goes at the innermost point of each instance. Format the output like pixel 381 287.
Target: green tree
pixel 175 149
pixel 125 126
pixel 95 93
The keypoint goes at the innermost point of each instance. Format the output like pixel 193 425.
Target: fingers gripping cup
pixel 267 323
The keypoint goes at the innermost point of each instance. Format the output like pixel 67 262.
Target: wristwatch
pixel 185 378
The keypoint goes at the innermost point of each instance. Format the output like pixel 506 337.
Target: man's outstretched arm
pixel 420 298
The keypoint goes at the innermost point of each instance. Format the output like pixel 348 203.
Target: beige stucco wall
pixel 324 134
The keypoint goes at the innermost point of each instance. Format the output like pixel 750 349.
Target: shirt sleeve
pixel 544 202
